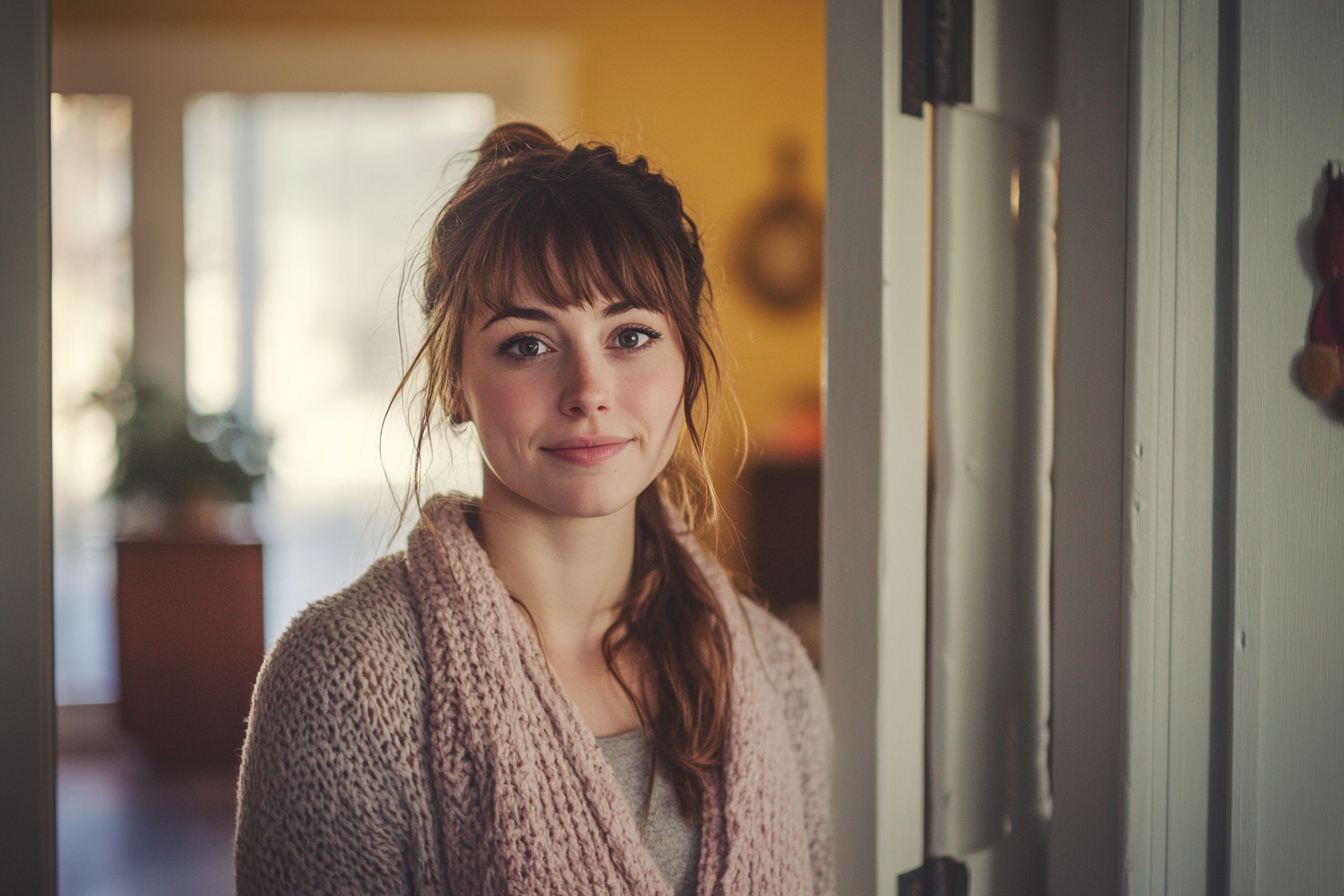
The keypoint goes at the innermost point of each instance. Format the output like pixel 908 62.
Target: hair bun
pixel 514 138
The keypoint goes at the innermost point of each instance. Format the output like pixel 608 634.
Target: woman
pixel 553 690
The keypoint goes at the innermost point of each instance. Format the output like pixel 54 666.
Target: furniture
pixel 785 545
pixel 190 643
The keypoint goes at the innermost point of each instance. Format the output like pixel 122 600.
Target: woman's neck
pixel 570 573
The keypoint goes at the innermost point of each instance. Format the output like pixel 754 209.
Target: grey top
pixel 672 840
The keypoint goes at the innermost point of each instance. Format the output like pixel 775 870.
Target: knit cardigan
pixel 408 736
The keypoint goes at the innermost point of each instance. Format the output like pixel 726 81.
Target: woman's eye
pixel 634 338
pixel 526 347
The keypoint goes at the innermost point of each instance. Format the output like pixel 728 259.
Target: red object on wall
pixel 190 641
pixel 1320 364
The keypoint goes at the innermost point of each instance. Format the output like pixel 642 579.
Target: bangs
pixel 574 248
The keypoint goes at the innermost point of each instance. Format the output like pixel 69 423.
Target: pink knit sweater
pixel 408 736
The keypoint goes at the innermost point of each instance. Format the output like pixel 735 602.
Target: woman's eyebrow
pixel 519 312
pixel 616 308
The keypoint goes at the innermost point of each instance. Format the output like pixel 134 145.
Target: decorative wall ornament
pixel 1318 367
pixel 779 253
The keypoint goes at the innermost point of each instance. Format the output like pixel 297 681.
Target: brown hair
pixel 576 225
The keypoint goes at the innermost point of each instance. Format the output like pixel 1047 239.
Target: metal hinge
pixel 936 53
pixel 939 876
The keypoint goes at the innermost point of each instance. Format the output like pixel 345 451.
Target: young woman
pixel 554 690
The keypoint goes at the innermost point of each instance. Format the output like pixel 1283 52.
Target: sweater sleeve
pixel 333 790
pixel 793 674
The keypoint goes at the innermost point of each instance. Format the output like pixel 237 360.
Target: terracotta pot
pixel 190 643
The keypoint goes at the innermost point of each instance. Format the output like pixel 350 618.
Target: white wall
pixel 1288 712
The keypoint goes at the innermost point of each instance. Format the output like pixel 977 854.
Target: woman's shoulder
pixel 796 681
pixel 342 689
pixel 783 654
pixel 380 597
pixel 791 672
pixel 366 632
pixel 333 788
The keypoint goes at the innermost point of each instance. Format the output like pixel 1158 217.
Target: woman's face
pixel 578 410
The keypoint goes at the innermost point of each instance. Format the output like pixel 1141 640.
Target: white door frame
pixel 874 479
pixel 1141 404
pixel 1135 537
pixel 27 697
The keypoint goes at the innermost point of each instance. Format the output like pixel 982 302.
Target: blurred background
pixel 240 195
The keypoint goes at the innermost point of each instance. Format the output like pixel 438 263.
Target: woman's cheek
pixel 661 396
pixel 510 408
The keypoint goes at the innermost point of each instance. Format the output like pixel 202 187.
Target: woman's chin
pixel 588 504
pixel 588 498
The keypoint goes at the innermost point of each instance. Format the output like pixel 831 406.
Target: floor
pixel 127 829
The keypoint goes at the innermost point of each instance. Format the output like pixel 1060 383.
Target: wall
pixel 1288 661
pixel 703 88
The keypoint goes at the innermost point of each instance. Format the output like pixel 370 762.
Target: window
pixel 91 337
pixel 306 215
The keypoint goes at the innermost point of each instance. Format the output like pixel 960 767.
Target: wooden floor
pixel 125 829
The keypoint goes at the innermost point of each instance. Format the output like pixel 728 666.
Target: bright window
pixel 305 218
pixel 91 337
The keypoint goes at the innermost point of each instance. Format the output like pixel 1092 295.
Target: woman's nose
pixel 588 385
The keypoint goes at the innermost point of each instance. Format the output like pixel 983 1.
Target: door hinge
pixel 936 53
pixel 939 876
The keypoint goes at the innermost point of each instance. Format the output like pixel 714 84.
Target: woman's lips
pixel 587 452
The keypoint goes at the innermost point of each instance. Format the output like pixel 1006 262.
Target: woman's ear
pixel 458 412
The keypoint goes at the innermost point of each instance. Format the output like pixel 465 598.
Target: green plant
pixel 168 453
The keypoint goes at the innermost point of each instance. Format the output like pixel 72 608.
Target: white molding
pixel 1153 108
pixel 903 472
pixel 530 75
pixel 874 469
pixel 1171 404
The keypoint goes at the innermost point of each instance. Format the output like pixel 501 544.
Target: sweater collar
pixel 527 800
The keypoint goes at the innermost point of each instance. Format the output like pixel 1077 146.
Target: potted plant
pixel 190 633
pixel 178 471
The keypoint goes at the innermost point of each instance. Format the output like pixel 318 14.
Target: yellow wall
pixel 703 88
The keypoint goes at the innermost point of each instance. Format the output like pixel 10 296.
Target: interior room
pixel 1033 318
pixel 247 133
